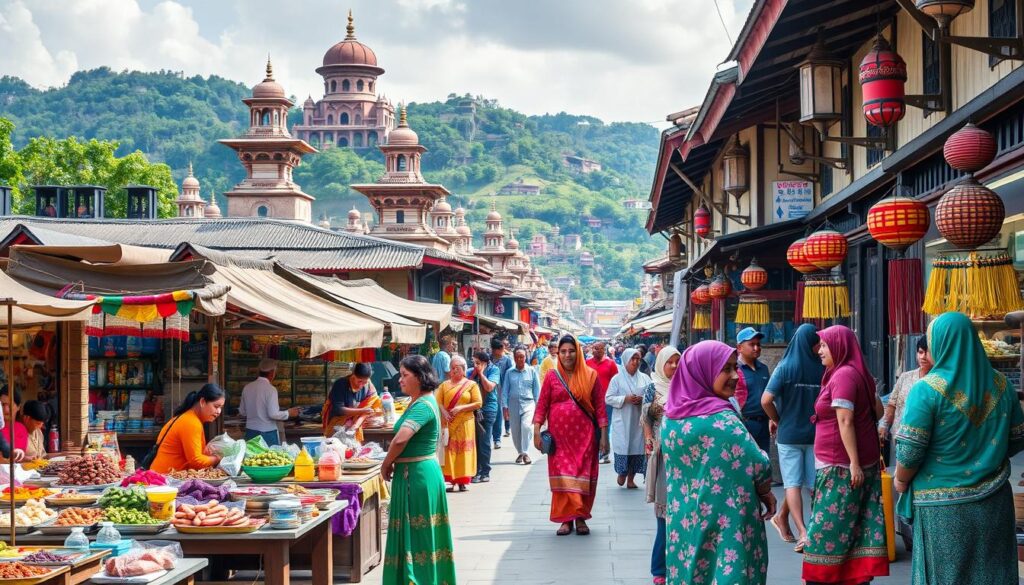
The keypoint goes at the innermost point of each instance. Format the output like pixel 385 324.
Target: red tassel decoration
pixel 906 296
pixel 716 314
pixel 798 310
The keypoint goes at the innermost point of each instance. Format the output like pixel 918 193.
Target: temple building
pixel 443 219
pixel 190 203
pixel 495 252
pixel 351 113
pixel 402 199
pixel 269 153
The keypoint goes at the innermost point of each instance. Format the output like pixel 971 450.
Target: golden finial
pixel 270 69
pixel 403 121
pixel 190 169
pixel 351 28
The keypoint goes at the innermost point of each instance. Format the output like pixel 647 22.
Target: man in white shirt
pixel 260 408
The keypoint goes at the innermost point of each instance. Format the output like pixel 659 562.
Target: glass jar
pixel 77 539
pixel 108 534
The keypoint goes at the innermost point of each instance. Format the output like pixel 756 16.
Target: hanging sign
pixel 448 297
pixel 791 199
pixel 467 301
pixel 499 307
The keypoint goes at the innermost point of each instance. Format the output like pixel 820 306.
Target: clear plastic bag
pixel 291 450
pixel 142 559
pixel 231 451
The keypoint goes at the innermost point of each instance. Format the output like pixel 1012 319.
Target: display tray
pixel 51 528
pixel 71 557
pixel 142 528
pixel 54 571
pixel 83 501
pixel 360 466
pixel 44 481
pixel 89 488
pixel 253 525
pixel 20 529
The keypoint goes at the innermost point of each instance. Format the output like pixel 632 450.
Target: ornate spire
pixel 190 169
pixel 402 120
pixel 270 70
pixel 351 28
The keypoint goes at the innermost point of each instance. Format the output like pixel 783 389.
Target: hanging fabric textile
pixel 164 316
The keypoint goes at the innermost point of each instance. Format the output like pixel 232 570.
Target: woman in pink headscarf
pixel 717 477
pixel 847 530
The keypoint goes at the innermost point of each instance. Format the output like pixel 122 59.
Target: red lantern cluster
pixel 702 222
pixel 825 249
pixel 883 75
pixel 754 277
pixel 700 295
pixel 969 149
pixel 898 222
pixel 795 257
pixel 720 288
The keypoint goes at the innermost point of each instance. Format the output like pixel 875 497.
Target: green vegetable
pixel 128 516
pixel 133 498
pixel 268 459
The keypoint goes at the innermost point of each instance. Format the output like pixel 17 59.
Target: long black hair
pixel 418 366
pixel 209 393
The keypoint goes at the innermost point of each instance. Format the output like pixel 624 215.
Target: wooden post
pixel 10 398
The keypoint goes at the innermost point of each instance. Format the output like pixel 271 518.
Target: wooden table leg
pixel 322 554
pixel 276 563
pixel 190 580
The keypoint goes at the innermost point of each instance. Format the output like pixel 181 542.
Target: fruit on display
pixel 144 477
pixel 18 570
pixel 32 513
pixel 268 459
pixel 212 473
pixel 995 348
pixel 89 470
pixel 133 498
pixel 34 464
pixel 45 556
pixel 129 516
pixel 212 513
pixel 79 516
pixel 22 494
pixel 202 491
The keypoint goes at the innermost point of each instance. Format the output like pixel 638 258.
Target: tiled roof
pixel 297 244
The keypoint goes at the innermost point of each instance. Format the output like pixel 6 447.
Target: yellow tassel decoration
pixel 826 299
pixel 701 320
pixel 982 286
pixel 753 310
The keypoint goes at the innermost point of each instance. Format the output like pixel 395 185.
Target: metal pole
pixel 10 400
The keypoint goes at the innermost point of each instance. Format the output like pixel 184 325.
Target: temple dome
pixel 268 88
pixel 350 51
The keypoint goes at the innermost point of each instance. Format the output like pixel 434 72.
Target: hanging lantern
pixel 883 74
pixel 720 288
pixel 702 222
pixel 898 222
pixel 795 257
pixel 735 169
pixel 969 149
pixel 675 247
pixel 752 310
pixel 821 78
pixel 970 214
pixel 754 277
pixel 825 248
pixel 701 295
pixel 944 11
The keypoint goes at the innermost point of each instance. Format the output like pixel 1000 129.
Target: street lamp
pixel 821 78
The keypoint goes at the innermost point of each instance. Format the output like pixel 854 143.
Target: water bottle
pixel 77 540
pixel 54 440
pixel 388 404
pixel 108 534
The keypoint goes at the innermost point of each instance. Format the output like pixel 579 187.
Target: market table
pixel 183 573
pixel 381 435
pixel 75 573
pixel 274 546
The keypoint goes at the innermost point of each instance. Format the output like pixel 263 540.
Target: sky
pixel 618 60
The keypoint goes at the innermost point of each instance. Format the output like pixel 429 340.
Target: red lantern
pixel 883 74
pixel 825 249
pixel 754 277
pixel 970 214
pixel 795 257
pixel 702 222
pixel 720 288
pixel 700 295
pixel 898 222
pixel 969 149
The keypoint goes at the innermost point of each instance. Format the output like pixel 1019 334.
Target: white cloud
pixel 636 60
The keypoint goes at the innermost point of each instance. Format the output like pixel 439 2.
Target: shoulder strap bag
pixel 591 417
pixel 148 459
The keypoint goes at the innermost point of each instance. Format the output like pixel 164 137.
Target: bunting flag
pixel 163 316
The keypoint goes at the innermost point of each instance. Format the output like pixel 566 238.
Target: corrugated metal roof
pixel 297 244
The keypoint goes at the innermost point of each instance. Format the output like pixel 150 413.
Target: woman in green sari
pixel 961 423
pixel 419 546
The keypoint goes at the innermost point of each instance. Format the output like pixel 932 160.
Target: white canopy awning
pixel 34 307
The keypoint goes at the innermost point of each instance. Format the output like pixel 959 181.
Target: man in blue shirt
pixel 442 361
pixel 755 375
pixel 520 391
pixel 500 359
pixel 488 377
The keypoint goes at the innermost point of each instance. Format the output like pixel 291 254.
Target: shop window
pixel 875 155
pixel 825 174
pixel 1002 22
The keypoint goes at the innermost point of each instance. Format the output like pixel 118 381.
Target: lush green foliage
pixel 475 146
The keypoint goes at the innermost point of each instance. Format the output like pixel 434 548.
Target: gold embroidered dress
pixel 419 545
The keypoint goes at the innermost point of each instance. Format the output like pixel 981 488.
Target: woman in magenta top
pixel 847 529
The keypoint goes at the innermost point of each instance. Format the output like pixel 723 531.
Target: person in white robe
pixel 626 396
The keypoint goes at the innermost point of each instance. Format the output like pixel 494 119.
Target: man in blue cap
pixel 755 378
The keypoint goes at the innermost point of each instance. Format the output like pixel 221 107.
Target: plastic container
pixel 108 534
pixel 387 402
pixel 77 540
pixel 161 501
pixel 314 445
pixel 305 468
pixel 330 467
pixel 284 514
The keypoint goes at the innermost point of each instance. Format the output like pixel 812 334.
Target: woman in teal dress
pixel 717 476
pixel 961 423
pixel 419 546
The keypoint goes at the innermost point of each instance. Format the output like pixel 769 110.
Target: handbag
pixel 547 443
pixel 148 459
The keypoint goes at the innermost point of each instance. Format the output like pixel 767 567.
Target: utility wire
pixel 718 9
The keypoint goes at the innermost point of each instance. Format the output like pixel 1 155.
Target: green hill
pixel 475 147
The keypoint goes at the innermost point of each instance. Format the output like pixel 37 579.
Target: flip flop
pixel 583 530
pixel 784 537
pixel 565 530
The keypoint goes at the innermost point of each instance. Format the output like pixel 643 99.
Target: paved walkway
pixel 503 535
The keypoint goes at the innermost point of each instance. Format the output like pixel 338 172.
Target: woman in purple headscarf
pixel 847 530
pixel 718 478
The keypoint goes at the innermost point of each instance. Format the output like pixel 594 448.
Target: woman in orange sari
pixel 572 405
pixel 459 397
pixel 352 399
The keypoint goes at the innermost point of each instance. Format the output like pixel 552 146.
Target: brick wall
pixel 74 385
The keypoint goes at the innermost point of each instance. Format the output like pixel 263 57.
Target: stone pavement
pixel 503 535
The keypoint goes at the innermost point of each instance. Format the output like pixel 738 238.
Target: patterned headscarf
pixel 691 392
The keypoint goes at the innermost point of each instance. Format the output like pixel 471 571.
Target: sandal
pixel 565 529
pixel 785 537
pixel 581 528
pixel 621 480
pixel 801 545
pixel 451 489
pixel 462 487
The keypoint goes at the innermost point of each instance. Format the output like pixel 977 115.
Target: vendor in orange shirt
pixel 180 443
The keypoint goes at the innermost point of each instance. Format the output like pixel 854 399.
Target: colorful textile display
pixel 162 316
